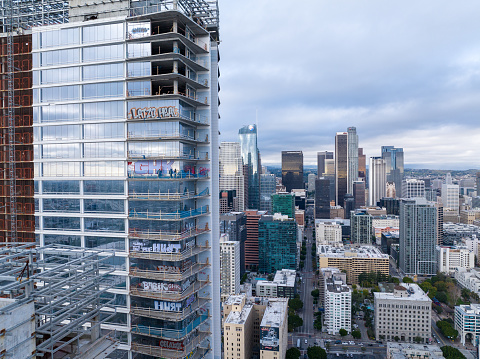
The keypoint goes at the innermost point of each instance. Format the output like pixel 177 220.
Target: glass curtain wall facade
pixel 341 166
pixel 125 132
pixel 352 158
pixel 292 170
pixel 394 167
pixel 250 155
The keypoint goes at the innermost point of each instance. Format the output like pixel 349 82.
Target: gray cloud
pixel 404 73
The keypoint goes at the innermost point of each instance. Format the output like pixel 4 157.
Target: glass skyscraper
pixel 292 170
pixel 126 159
pixel 341 167
pixel 394 166
pixel 352 158
pixel 250 155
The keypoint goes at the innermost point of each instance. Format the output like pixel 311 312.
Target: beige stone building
pixel 353 260
pixel 403 315
pixel 255 326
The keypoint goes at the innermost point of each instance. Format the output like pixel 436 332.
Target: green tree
pixel 418 340
pixel 294 321
pixel 447 329
pixel 315 293
pixel 295 304
pixel 442 297
pixel 316 353
pixel 356 334
pixel 452 353
pixel 244 278
pixel 342 332
pixel 407 280
pixel 396 338
pixel 293 353
pixel 270 277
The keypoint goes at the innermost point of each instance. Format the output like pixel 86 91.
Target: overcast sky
pixel 405 73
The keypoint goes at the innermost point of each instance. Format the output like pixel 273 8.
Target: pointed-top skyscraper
pixel 250 154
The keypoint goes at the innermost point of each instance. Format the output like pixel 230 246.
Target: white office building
pixel 377 180
pixel 451 197
pixel 338 304
pixel 229 266
pixel 126 145
pixel 467 322
pixel 412 187
pixel 451 258
pixel 404 314
pixel 328 233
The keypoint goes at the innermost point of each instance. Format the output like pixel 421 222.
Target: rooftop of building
pixel 277 217
pixel 336 284
pixel 340 221
pixel 406 350
pixel 285 277
pixel 351 251
pixel 239 317
pixel 472 309
pixel 275 312
pixel 404 291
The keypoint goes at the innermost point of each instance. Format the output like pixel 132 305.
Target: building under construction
pixel 51 302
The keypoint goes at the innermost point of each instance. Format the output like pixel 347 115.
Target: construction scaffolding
pixel 30 13
pixel 69 288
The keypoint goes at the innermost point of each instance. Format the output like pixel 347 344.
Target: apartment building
pixel 403 315
pixel 255 326
pixel 229 266
pixel 410 351
pixel 451 258
pixel 328 233
pixel 469 279
pixel 353 260
pixel 338 304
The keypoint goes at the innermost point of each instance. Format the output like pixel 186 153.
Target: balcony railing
pixel 198 304
pixel 200 156
pixel 171 176
pixel 171 334
pixel 167 236
pixel 168 276
pixel 170 296
pixel 169 196
pixel 188 253
pixel 159 352
pixel 166 216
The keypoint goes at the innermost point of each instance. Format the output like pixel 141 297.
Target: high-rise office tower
pixel 231 172
pixel 311 182
pixel 412 187
pixel 352 145
pixel 235 225
pixel 359 194
pixel 322 198
pixel 450 195
pixel 418 236
pixel 341 167
pixel 284 203
pixel 377 180
pixel 362 164
pixel 251 244
pixel 394 166
pixel 348 205
pixel 250 155
pixel 277 243
pixel 477 182
pixel 126 156
pixel 268 187
pixel 321 157
pixel 292 170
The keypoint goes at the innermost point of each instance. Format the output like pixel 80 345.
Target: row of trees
pixel 294 320
pixel 314 352
pixel 447 329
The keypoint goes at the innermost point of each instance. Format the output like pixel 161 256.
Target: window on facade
pixel 103 90
pixel 104 71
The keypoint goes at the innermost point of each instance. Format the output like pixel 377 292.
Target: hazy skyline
pixel 406 74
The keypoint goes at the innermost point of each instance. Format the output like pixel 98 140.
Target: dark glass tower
pixel 321 157
pixel 250 155
pixel 341 166
pixel 322 198
pixel 292 170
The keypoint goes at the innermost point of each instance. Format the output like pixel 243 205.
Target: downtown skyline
pixel 402 74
